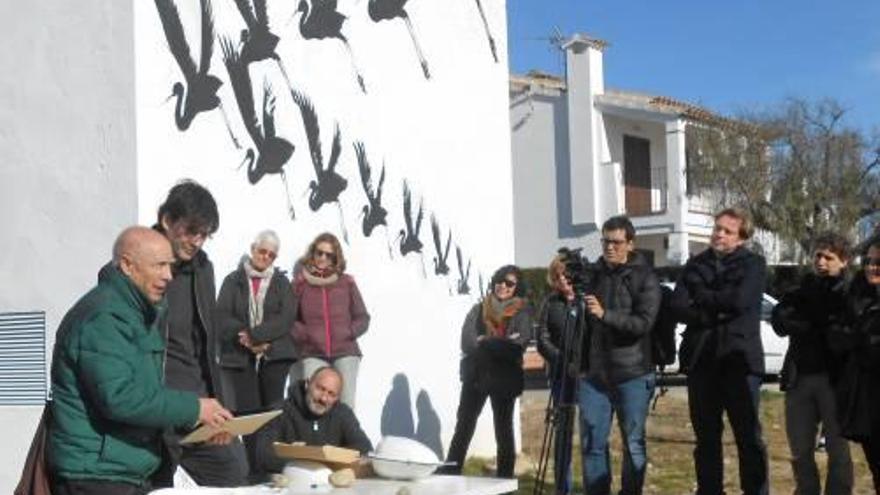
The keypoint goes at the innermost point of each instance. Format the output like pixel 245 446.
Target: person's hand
pixel 221 438
pixel 259 349
pixel 594 307
pixel 244 338
pixel 212 413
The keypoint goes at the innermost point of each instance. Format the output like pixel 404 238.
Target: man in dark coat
pixel 187 218
pixel 109 404
pixel 314 415
pixel 617 367
pixel 806 316
pixel 719 297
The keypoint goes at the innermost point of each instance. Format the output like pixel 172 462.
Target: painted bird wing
pixel 207 36
pixel 380 186
pixel 170 17
pixel 460 261
pixel 364 169
pixel 335 149
pixel 435 234
pixel 448 245
pixel 407 207
pixel 420 216
pixel 241 86
pixel 313 133
pixel 268 111
pixel 247 13
pixel 262 15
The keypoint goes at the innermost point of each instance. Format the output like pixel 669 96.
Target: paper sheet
pixel 242 425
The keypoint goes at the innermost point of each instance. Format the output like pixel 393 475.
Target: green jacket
pixel 108 402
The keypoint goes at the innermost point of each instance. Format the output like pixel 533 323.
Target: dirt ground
pixel 670 448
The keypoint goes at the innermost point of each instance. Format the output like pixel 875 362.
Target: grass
pixel 670 449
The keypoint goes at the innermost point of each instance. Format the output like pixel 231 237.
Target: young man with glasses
pixel 617 368
pixel 187 218
pixel 719 297
pixel 806 315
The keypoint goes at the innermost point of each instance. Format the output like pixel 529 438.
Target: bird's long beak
pixel 168 99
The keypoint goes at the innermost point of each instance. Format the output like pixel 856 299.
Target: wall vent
pixel 23 358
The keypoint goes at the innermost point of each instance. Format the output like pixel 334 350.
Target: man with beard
pixel 311 414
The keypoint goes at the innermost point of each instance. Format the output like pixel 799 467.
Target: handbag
pixel 35 475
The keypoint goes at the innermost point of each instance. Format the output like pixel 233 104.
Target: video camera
pixel 578 270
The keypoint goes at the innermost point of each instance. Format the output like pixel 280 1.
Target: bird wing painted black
pixel 407 207
pixel 268 111
pixel 207 36
pixel 435 234
pixel 241 86
pixel 244 6
pixel 313 133
pixel 170 18
pixel 448 245
pixel 419 217
pixel 364 169
pixel 335 149
pixel 460 262
pixel 380 186
pixel 260 10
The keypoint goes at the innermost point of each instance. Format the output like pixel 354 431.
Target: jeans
pixel 807 404
pixel 715 387
pixel 347 366
pixel 598 404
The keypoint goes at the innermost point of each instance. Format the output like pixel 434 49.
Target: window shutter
pixel 23 358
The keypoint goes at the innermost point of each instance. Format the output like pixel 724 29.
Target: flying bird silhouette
pixel 258 42
pixel 488 32
pixel 273 152
pixel 464 273
pixel 386 10
pixel 328 184
pixel 201 87
pixel 374 213
pixel 409 238
pixel 440 265
pixel 321 20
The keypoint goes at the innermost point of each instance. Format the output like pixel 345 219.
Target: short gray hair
pixel 267 236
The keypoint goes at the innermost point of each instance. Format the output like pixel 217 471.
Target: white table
pixel 432 485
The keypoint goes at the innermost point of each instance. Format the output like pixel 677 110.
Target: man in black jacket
pixel 187 218
pixel 617 368
pixel 311 414
pixel 719 297
pixel 806 316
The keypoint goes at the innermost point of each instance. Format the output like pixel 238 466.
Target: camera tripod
pixel 560 411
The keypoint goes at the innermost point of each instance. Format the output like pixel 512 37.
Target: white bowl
pixel 402 458
pixel 307 476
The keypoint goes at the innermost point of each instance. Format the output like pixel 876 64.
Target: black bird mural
pixel 272 152
pixel 463 273
pixel 328 184
pixel 409 238
pixel 373 212
pixel 440 265
pixel 488 32
pixel 200 92
pixel 321 20
pixel 386 10
pixel 257 41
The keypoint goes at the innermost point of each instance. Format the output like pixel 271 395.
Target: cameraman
pixel 556 331
pixel 618 372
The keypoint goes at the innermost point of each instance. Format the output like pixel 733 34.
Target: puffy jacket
pixel 109 405
pixel 619 345
pixel 338 427
pixel 805 315
pixel 329 318
pixel 719 299
pixel 279 310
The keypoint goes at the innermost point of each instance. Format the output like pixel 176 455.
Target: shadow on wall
pixel 397 417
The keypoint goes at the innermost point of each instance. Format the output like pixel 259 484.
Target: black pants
pixel 469 407
pixel 257 389
pixel 871 448
pixel 93 487
pixel 208 465
pixel 715 388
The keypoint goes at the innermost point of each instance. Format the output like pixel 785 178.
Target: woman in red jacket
pixel 331 315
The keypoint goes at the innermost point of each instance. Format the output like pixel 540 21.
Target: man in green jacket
pixel 109 404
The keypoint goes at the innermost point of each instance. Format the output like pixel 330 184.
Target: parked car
pixel 774 349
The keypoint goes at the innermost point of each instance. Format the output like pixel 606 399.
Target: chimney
pixel 584 79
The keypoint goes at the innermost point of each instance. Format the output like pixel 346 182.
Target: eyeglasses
pixel 325 254
pixel 872 262
pixel 196 231
pixel 613 242
pixel 508 283
pixel 267 253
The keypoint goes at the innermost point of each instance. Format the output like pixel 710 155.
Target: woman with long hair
pixel 331 314
pixel 493 339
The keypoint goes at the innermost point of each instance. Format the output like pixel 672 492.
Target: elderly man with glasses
pixel 617 369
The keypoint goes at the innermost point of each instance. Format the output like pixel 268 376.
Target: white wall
pixel 447 136
pixel 67 179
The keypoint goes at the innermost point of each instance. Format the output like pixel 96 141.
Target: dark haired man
pixel 187 217
pixel 618 372
pixel 806 316
pixel 718 296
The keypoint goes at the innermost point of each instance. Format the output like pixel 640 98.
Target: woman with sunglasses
pixel 857 383
pixel 255 310
pixel 493 338
pixel 331 315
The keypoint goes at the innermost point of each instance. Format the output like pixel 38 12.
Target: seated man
pixel 313 415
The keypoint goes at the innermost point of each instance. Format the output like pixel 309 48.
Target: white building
pixel 583 153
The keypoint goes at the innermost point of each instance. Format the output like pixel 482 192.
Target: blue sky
pixel 726 55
